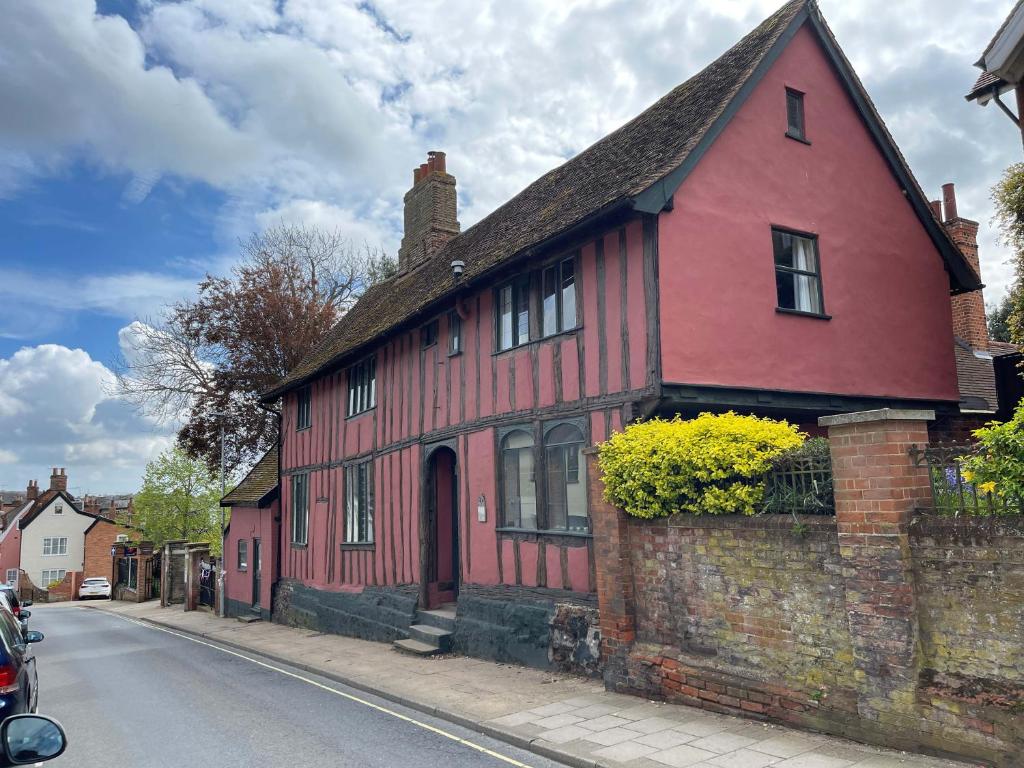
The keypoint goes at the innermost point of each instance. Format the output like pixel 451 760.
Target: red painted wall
pixel 883 280
pixel 427 392
pixel 10 550
pixel 250 523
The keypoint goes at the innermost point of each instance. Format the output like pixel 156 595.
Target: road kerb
pixel 485 729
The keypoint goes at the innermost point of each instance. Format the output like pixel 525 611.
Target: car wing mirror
pixel 26 603
pixel 32 636
pixel 30 739
pixel 25 615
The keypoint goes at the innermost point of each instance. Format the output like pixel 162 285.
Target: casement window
pixel 795 115
pixel 558 301
pixel 243 554
pixel 797 272
pixel 514 313
pixel 551 290
pixel 58 508
pixel 57 545
pixel 51 575
pixel 304 408
pixel 300 508
pixel 518 481
pixel 454 333
pixel 359 503
pixel 561 504
pixel 428 334
pixel 12 577
pixel 362 386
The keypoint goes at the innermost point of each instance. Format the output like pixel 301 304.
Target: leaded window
pixel 566 495
pixel 359 503
pixel 518 481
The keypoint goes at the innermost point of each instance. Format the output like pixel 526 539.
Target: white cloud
pixel 318 109
pixel 56 410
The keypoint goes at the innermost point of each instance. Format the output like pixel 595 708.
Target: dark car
pixel 19 684
pixel 9 600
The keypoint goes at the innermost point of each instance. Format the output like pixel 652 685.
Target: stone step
pixel 442 618
pixel 415 647
pixel 433 636
pixel 249 618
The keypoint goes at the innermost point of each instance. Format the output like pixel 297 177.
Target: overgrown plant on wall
pixel 713 464
pixel 997 466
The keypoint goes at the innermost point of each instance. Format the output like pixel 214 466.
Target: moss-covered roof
pixel 261 480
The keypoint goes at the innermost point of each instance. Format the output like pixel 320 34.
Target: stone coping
pixel 879 414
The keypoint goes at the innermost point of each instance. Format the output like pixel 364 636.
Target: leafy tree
pixel 1008 196
pixel 179 500
pixel 242 333
pixel 999 319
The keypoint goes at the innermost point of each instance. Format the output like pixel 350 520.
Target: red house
pixel 754 240
pixel 251 542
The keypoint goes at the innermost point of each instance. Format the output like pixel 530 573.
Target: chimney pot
pixel 431 212
pixel 949 201
pixel 424 171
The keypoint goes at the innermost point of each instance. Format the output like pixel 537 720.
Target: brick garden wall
pixel 99 540
pixel 879 624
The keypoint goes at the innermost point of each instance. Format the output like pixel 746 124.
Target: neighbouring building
pixel 51 536
pixel 251 541
pixel 118 507
pixel 1002 68
pixel 752 241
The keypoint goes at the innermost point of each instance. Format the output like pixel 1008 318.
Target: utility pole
pixel 222 415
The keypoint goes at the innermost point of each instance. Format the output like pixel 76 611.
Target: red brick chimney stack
pixel 32 492
pixel 969 321
pixel 58 480
pixel 430 212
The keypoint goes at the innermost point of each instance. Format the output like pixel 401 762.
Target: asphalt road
pixel 131 695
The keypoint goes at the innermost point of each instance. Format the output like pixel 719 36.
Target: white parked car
pixel 95 587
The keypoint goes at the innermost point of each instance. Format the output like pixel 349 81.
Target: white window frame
pixel 12 577
pixel 47 580
pixel 57 546
pixel 359 503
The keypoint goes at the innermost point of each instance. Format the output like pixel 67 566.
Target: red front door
pixel 442 529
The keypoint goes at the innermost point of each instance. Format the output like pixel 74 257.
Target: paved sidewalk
pixel 567 718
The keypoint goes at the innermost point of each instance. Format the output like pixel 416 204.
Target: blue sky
pixel 139 140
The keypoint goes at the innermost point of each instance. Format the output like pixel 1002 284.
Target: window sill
pixel 242 570
pixel 794 137
pixel 357 545
pixel 525 344
pixel 304 429
pixel 802 313
pixel 547 532
pixel 296 545
pixel 456 353
pixel 361 413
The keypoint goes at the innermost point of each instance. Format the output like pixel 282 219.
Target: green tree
pixel 179 500
pixel 999 320
pixel 1008 196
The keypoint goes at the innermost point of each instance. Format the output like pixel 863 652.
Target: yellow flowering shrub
pixel 712 464
pixel 997 466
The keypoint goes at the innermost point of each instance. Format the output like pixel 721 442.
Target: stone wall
pixel 534 626
pixel 882 625
pixel 374 613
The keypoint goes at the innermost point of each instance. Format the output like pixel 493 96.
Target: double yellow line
pixel 336 692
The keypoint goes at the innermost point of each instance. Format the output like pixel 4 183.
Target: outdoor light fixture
pixel 458 266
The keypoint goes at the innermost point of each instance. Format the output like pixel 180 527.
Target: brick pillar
pixel 877 488
pixel 612 568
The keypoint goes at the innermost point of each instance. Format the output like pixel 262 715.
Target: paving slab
pixel 563 717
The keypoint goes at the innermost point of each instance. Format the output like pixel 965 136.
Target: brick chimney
pixel 32 492
pixel 969 322
pixel 430 212
pixel 58 480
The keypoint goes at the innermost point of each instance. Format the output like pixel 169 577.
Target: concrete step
pixel 433 636
pixel 249 618
pixel 415 647
pixel 442 618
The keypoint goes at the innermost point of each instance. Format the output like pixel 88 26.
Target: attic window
pixel 795 116
pixel 58 509
pixel 428 334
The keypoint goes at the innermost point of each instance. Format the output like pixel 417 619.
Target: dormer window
pixel 795 116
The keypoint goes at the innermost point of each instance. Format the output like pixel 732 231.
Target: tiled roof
pixel 983 85
pixel 260 481
pixel 1002 348
pixel 976 377
pixel 608 176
